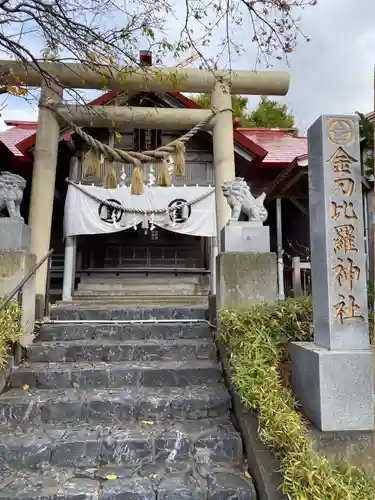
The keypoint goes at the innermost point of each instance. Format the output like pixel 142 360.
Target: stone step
pixel 129 350
pixel 114 405
pixel 137 277
pixel 177 282
pixel 148 483
pixel 134 301
pixel 129 331
pixel 110 375
pixel 81 446
pixel 119 312
pixel 141 291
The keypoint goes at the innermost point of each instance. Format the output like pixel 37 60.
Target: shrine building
pixel 137 256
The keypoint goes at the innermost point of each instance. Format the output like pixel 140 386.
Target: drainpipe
pixel 280 264
pixel 366 231
pixel 213 255
pixel 69 267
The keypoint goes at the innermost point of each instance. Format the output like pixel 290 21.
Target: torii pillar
pixel 43 184
pixel 223 149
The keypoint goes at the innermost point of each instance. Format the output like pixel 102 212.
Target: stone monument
pixel 14 234
pixel 332 376
pixel 246 269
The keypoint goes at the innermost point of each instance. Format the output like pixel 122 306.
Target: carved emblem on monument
pixel 341 132
pixel 11 194
pixel 241 201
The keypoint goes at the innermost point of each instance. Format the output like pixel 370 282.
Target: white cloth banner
pixel 85 215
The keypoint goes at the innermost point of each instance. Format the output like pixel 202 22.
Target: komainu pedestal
pixel 245 237
pixel 244 279
pixel 14 234
pixel 246 270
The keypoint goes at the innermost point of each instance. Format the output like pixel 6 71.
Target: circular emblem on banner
pixel 341 132
pixel 180 213
pixel 109 214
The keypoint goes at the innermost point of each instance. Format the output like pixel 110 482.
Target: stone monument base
pixel 14 234
pixel 354 447
pixel 245 278
pixel 334 388
pixel 15 265
pixel 245 237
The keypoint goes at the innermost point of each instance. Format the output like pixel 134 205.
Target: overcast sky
pixel 333 73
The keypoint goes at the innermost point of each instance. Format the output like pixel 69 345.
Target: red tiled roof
pixel 18 123
pixel 12 137
pixel 282 147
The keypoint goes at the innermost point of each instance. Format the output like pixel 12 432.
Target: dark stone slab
pixel 113 313
pixel 224 486
pixel 219 445
pixel 116 351
pixel 83 446
pixel 51 484
pixel 128 489
pixel 173 445
pixel 135 331
pixel 165 483
pixel 182 375
pixel 99 374
pixel 176 487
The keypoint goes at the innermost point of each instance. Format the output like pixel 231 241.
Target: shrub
pixel 256 341
pixel 10 329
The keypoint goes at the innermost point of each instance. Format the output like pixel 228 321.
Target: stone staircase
pixel 121 411
pixel 142 289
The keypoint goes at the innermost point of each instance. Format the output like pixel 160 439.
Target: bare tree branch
pixel 97 32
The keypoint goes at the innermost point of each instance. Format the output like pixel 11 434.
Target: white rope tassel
pixel 151 176
pixel 171 165
pixel 123 220
pixel 113 216
pixel 152 225
pixel 145 223
pixel 123 176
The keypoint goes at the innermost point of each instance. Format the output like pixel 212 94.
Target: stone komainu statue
pixel 11 194
pixel 241 201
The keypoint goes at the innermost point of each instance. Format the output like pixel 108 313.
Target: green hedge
pixel 256 341
pixel 10 329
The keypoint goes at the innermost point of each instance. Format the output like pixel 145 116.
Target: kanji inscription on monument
pixel 338 262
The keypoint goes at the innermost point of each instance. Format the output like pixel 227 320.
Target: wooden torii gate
pixel 220 84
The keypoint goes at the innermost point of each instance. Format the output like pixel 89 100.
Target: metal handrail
pixel 22 283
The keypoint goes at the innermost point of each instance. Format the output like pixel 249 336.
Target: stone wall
pixel 14 267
